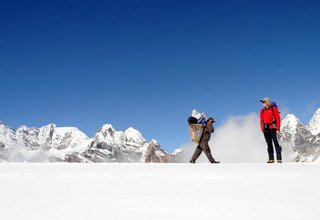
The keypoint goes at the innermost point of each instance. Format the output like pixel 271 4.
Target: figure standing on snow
pixel 204 143
pixel 270 126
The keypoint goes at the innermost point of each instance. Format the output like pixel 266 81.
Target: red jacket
pixel 272 118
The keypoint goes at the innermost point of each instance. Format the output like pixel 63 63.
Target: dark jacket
pixel 208 129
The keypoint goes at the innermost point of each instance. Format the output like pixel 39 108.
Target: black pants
pixel 271 135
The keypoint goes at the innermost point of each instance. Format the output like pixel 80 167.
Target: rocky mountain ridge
pixel 68 144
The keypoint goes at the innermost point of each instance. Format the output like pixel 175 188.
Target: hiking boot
pixel 215 161
pixel 279 161
pixel 270 161
pixel 192 161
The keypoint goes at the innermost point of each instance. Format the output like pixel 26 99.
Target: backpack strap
pixel 273 113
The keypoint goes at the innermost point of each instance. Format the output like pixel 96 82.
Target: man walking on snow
pixel 203 143
pixel 270 126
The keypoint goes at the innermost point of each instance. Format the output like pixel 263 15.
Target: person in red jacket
pixel 270 126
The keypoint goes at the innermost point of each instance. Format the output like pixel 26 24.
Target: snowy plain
pixel 159 191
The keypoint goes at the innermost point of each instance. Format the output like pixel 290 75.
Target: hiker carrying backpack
pixel 270 126
pixel 200 133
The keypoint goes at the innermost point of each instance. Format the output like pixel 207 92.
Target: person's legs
pixel 268 137
pixel 206 149
pixel 196 154
pixel 276 144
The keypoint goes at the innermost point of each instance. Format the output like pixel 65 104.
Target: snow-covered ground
pixel 159 191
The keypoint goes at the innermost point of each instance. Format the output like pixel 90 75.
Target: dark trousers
pixel 271 135
pixel 203 146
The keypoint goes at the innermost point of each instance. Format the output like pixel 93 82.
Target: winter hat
pixel 211 119
pixel 266 100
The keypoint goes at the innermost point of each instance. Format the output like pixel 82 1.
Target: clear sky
pixel 147 64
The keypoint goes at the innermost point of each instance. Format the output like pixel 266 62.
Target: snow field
pixel 159 191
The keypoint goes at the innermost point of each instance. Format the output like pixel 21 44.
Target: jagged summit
pixel 304 140
pixel 68 144
pixel 107 127
pixel 291 123
pixel 291 120
pixel 314 124
pixel 134 135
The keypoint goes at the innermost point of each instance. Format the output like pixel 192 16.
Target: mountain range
pixel 304 140
pixel 68 144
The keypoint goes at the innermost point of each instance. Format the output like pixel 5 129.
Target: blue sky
pixel 147 64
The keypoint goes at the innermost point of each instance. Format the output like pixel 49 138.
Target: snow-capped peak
pixel 291 120
pixel 69 144
pixel 314 124
pixel 290 123
pixel 177 151
pixel 49 126
pixel 134 135
pixel 2 125
pixel 154 142
pixel 107 127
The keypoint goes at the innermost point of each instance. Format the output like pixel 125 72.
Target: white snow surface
pixel 159 191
